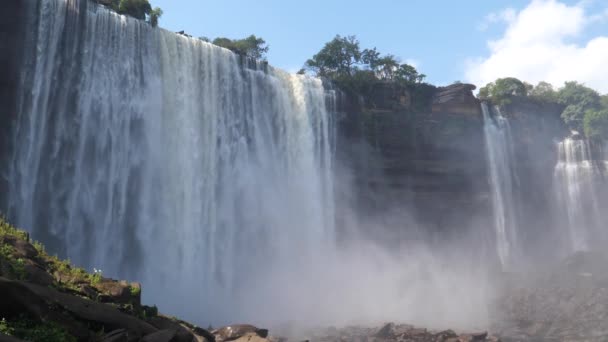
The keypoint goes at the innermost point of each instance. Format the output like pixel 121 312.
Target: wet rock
pixel 251 337
pixel 182 333
pixel 119 335
pixel 160 336
pixel 387 331
pixel 37 273
pixel 233 332
pixel 112 291
pixel 204 333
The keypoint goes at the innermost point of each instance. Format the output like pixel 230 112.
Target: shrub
pixel 595 124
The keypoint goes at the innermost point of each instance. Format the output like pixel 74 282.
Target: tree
pixel 543 92
pixel 250 47
pixel 604 101
pixel 386 67
pixel 577 93
pixel 595 124
pixel 409 75
pixel 578 99
pixel 137 9
pixel 340 56
pixel 573 116
pixel 503 90
pixel 154 15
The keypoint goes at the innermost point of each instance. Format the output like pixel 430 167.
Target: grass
pixel 72 276
pixel 29 330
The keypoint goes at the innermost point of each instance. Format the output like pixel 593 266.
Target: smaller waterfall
pixel 578 180
pixel 502 178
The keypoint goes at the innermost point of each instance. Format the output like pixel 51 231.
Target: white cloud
pixel 507 15
pixel 537 46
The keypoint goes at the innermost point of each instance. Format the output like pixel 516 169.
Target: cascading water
pixel 502 177
pixel 159 157
pixel 580 187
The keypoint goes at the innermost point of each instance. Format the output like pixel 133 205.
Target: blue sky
pixel 443 37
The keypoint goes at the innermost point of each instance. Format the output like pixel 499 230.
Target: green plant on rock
pixel 30 330
pixel 135 291
pixel 5 328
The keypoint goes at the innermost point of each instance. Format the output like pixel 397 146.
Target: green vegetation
pixel 70 276
pixel 354 69
pixel 135 291
pixel 503 90
pixel 584 110
pixel 30 330
pixel 595 124
pixel 251 47
pixel 138 9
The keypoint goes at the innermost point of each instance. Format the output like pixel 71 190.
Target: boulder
pixel 182 334
pixel 160 336
pixel 112 291
pixel 387 331
pixel 233 332
pixel 36 273
pixel 36 299
pixel 23 249
pixel 251 337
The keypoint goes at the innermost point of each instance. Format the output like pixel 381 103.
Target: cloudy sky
pixel 469 40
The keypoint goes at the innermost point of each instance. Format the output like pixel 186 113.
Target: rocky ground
pixel 45 299
pixel 565 302
pixel 398 332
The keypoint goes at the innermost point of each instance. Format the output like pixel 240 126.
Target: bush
pixel 596 124
pixel 251 47
pixel 503 90
pixel 29 330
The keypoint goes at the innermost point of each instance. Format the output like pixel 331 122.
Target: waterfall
pixel 502 179
pixel 580 186
pixel 163 158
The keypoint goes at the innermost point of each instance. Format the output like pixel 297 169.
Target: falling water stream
pixel 580 189
pixel 502 178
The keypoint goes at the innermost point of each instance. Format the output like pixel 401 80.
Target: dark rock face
pixel 429 160
pixel 426 167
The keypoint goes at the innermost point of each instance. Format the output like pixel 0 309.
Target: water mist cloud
pixel 539 45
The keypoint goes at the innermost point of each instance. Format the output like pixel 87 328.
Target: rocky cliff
pixel 420 160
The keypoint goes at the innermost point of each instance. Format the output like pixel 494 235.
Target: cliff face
pixel 420 161
pixel 427 164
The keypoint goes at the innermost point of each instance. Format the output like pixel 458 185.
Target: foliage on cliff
pixel 584 110
pixel 251 47
pixel 138 9
pixel 357 70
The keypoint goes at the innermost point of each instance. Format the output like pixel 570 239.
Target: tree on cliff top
pixel 578 100
pixel 343 61
pixel 503 90
pixel 138 9
pixel 340 56
pixel 595 124
pixel 251 47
